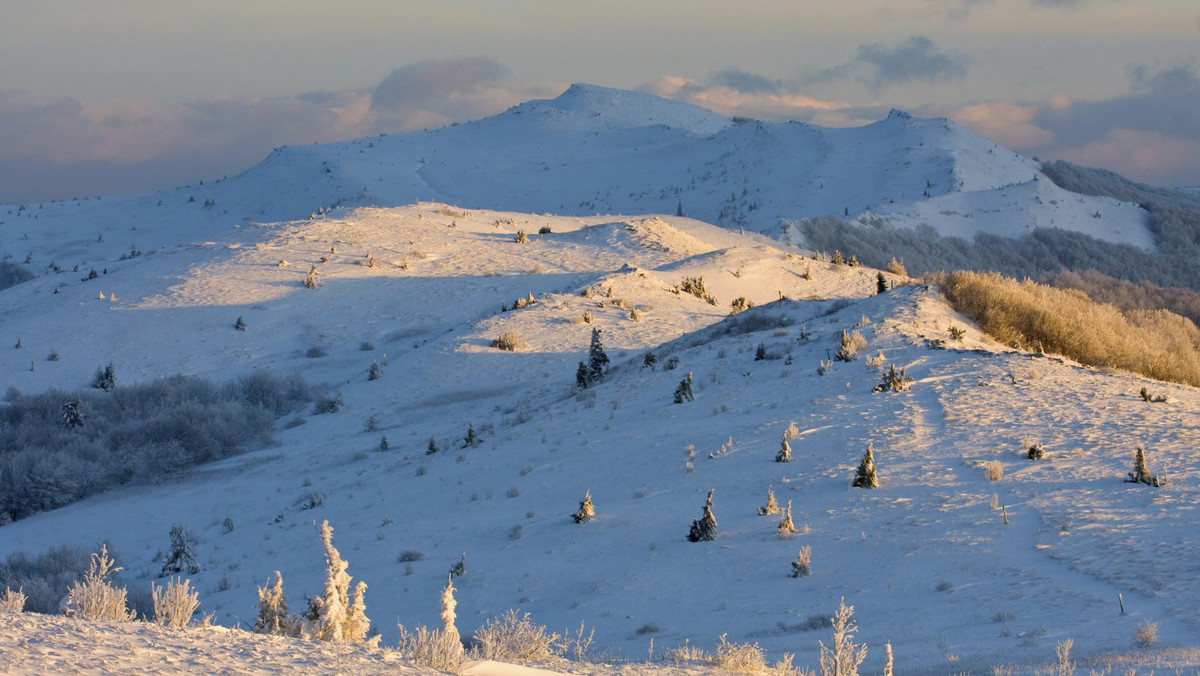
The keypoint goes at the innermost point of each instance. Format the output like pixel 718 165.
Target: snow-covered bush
pixel 375 372
pixel 786 527
pixel 12 601
pixel 510 341
pixel 180 559
pixel 772 507
pixel 174 604
pixel 739 658
pixel 893 381
pixel 844 656
pixel 95 598
pixel 513 638
pixel 849 344
pixel 1140 474
pixel 439 649
pixel 785 451
pixel 43 578
pixel 993 470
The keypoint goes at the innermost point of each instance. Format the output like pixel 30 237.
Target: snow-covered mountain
pixel 958 569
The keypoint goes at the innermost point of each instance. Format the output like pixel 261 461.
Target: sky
pixel 125 96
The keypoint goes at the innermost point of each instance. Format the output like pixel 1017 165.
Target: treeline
pixel 1155 343
pixel 59 447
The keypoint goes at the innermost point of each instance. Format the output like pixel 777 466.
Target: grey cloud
pixel 419 83
pixel 1179 78
pixel 917 58
pixel 748 83
pixel 1069 4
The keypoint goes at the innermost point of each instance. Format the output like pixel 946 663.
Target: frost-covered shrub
pixel 801 567
pixel 1140 474
pixel 174 604
pixel 586 509
pixel 95 598
pixel 695 286
pixel 893 381
pixel 12 601
pixel 772 507
pixel 51 456
pixel 739 658
pixel 993 470
pixel 513 638
pixel 1146 634
pixel 844 656
pixel 337 615
pixel 849 344
pixel 510 341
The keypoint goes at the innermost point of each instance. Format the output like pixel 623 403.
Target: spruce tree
pixel 375 372
pixel 72 417
pixel 338 615
pixel 273 615
pixel 597 359
pixel 785 451
pixel 881 284
pixel 433 447
pixel 705 528
pixel 786 527
pixel 684 391
pixel 581 376
pixel 106 379
pixel 772 507
pixel 181 558
pixel 472 439
pixel 865 477
pixel 1140 473
pixel 586 510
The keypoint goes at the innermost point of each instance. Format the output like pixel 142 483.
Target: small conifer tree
pixel 881 284
pixel 375 372
pixel 433 446
pixel 865 477
pixel 106 379
pixel 472 439
pixel 448 616
pixel 684 391
pixel 72 416
pixel 785 451
pixel 760 353
pixel 586 510
pixel 1037 452
pixel 240 324
pixel 772 507
pixel 273 615
pixel 597 359
pixel 181 559
pixel 383 443
pixel 460 568
pixel 338 615
pixel 801 566
pixel 581 376
pixel 704 528
pixel 786 527
pixel 1140 474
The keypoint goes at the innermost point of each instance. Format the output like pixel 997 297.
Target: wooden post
pixel 1005 510
pixel 1122 602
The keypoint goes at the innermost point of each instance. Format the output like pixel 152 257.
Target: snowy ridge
pixel 594 150
pixel 927 562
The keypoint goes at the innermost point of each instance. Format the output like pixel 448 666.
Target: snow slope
pixel 926 560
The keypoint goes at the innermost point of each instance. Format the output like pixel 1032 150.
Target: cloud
pixel 747 83
pixel 914 59
pixel 420 83
pixel 877 66
pixel 67 148
pixel 751 98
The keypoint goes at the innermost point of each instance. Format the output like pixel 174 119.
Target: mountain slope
pixel 927 562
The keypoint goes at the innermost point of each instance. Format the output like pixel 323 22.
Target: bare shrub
pixel 513 638
pixel 95 598
pixel 12 601
pixel 993 470
pixel 1146 634
pixel 1155 343
pixel 1064 666
pixel 174 604
pixel 510 341
pixel 896 267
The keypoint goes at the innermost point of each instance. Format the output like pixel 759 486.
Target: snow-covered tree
pixel 181 559
pixel 865 477
pixel 801 567
pixel 772 507
pixel 785 451
pixel 586 510
pixel 704 528
pixel 72 416
pixel 844 657
pixel 597 363
pixel 338 615
pixel 106 379
pixel 273 615
pixel 375 372
pixel 1140 473
pixel 472 439
pixel 684 391
pixel 786 527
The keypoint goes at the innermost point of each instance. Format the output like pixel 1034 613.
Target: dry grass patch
pixel 1154 343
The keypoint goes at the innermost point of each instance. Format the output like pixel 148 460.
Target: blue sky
pixel 137 95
